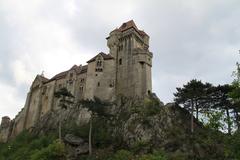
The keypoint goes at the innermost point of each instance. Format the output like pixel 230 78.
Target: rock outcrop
pixel 143 126
pixel 5 129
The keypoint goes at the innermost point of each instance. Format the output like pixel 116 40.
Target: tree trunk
pixel 60 128
pixel 236 119
pixel 90 137
pixel 228 121
pixel 192 105
pixel 196 111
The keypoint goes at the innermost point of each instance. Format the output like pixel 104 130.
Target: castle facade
pixel 124 71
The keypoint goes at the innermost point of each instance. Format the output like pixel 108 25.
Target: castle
pixel 125 71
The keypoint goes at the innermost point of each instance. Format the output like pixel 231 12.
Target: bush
pixel 24 145
pixel 54 151
pixel 122 155
pixel 73 128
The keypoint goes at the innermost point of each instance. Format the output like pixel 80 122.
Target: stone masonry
pixel 125 71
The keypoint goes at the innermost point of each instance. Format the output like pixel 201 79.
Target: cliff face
pixel 143 126
pixel 130 123
pixel 5 129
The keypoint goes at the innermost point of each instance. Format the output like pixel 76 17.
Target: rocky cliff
pixel 142 126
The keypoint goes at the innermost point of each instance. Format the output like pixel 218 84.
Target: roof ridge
pixel 104 55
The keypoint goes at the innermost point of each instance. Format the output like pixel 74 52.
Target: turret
pixel 133 61
pixel 113 42
pixel 6 121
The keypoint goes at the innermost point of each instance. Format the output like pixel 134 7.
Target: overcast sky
pixel 189 39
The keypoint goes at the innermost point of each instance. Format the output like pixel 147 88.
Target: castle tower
pixel 5 129
pixel 5 122
pixel 133 61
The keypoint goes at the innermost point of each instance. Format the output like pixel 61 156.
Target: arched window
pixel 99 65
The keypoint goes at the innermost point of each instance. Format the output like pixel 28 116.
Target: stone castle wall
pixel 125 71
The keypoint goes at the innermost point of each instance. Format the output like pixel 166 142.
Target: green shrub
pixel 122 155
pixel 54 151
pixel 23 146
pixel 73 128
pixel 156 155
pixel 139 146
pixel 101 135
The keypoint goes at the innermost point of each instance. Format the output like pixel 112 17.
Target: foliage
pixel 24 146
pixel 193 95
pixel 234 145
pixel 65 97
pixel 126 155
pixel 151 107
pixel 77 130
pixel 122 155
pixel 96 106
pixel 101 135
pixel 139 146
pixel 214 120
pixel 156 155
pixel 54 151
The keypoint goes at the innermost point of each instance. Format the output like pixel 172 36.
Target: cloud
pixel 189 39
pixel 20 72
pixel 10 103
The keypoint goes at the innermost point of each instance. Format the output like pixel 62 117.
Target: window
pixel 120 61
pixel 99 63
pixel 71 75
pixel 81 89
pixel 120 48
pixel 142 64
pixel 149 92
pixel 82 80
pixel 98 84
pixel 111 84
pixel 44 90
pixel 98 69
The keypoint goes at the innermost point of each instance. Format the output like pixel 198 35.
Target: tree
pixel 221 101
pixel 235 95
pixel 65 99
pixel 192 96
pixel 96 108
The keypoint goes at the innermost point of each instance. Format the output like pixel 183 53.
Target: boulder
pixel 82 149
pixel 73 140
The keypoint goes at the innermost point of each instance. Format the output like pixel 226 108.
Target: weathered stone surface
pixel 167 128
pixel 73 140
pixel 49 122
pixel 82 149
pixel 5 129
pixel 125 71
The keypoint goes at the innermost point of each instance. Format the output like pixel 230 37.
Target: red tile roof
pixel 84 69
pixel 42 78
pixel 79 70
pixel 104 55
pixel 59 75
pixel 130 24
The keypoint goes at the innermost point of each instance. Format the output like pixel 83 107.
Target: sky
pixel 189 39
